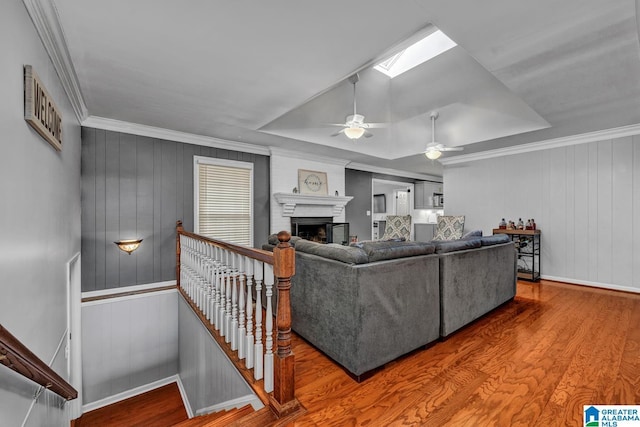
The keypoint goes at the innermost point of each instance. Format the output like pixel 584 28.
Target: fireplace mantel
pixel 289 201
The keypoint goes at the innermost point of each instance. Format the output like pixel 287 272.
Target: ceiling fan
pixel 434 149
pixel 354 126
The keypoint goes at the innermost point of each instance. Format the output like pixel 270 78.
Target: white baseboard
pixel 185 398
pixel 129 393
pixel 592 284
pixel 250 399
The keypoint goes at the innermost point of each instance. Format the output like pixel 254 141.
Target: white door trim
pixel 73 350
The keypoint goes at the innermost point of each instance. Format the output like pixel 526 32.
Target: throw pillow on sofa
pixel 449 227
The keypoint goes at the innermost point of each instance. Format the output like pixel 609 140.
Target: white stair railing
pixel 221 280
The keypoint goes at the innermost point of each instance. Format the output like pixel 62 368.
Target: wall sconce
pixel 128 246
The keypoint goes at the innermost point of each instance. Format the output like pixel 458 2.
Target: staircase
pixel 222 418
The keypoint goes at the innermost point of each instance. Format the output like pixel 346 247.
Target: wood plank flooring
pixel 161 407
pixel 532 362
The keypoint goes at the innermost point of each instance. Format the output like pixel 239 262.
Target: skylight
pixel 421 51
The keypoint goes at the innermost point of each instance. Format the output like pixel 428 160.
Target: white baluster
pixel 199 283
pixel 228 275
pixel 258 357
pixel 268 357
pixel 208 281
pixel 234 301
pixel 249 339
pixel 223 293
pixel 218 286
pixel 242 332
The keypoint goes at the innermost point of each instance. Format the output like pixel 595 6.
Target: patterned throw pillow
pixel 397 226
pixel 449 227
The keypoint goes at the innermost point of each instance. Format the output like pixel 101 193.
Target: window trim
pixel 197 161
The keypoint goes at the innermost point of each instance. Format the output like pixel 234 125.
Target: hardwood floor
pixel 532 362
pixel 161 407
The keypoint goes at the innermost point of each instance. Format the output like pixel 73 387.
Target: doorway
pixel 398 200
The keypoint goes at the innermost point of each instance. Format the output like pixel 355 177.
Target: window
pixel 423 50
pixel 224 199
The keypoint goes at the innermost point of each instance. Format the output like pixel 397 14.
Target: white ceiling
pixel 274 73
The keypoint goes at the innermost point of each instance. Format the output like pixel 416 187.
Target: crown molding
pixel 46 20
pixel 584 138
pixel 399 173
pixel 171 135
pixel 283 152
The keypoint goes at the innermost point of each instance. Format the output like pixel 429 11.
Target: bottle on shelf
pixel 502 225
pixel 528 225
pixel 533 224
pixel 520 225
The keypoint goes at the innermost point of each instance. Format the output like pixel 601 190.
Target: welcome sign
pixel 40 111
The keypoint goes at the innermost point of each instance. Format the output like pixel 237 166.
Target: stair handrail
pixel 282 400
pixel 16 356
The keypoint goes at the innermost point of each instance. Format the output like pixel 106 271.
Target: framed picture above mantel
pixel 312 182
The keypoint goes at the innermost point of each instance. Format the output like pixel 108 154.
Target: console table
pixel 528 247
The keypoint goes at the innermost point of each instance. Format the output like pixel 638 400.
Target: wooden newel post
pixel 283 400
pixel 179 229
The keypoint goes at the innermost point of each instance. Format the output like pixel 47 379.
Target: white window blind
pixel 224 200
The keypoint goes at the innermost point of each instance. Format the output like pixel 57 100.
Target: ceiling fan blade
pixel 367 134
pixel 451 149
pixel 376 125
pixel 338 133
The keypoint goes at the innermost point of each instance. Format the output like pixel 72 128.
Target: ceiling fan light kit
pixel 354 132
pixel 354 126
pixel 434 149
pixel 433 154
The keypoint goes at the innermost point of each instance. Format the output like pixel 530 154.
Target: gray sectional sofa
pixel 368 304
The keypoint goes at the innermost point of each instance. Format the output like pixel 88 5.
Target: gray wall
pixel 137 187
pixel 585 198
pixel 40 212
pixel 128 343
pixel 208 376
pixel 358 184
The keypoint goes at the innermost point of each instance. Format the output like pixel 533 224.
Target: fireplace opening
pixel 320 229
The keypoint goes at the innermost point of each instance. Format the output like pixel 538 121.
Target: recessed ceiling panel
pixel 473 105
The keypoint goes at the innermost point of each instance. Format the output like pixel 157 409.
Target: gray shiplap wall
pixel 585 198
pixel 208 376
pixel 137 187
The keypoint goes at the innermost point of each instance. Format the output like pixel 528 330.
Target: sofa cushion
pixel 360 244
pixel 494 240
pixel 473 234
pixel 386 249
pixel 449 227
pixel 346 254
pixel 443 247
pixel 273 240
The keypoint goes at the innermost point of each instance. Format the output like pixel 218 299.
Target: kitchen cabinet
pixel 424 232
pixel 424 195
